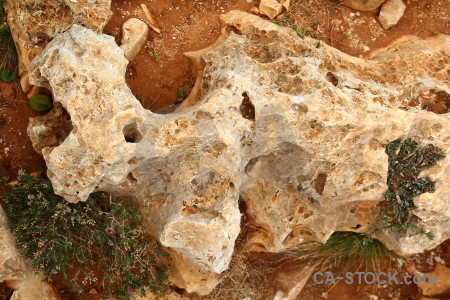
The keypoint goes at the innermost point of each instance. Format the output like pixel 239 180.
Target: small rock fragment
pixel 151 21
pixel 255 10
pixel 93 292
pixel 287 4
pixel 391 12
pixel 133 38
pixel 363 5
pixel 270 8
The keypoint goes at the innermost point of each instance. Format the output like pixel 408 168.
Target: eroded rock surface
pixel 297 132
pixel 34 23
pixel 17 272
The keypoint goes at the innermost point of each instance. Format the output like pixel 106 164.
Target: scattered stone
pixel 439 285
pixel 151 21
pixel 270 8
pixel 363 5
pixel 287 4
pixel 290 280
pixel 391 12
pixel 134 36
pixel 254 9
pixel 93 291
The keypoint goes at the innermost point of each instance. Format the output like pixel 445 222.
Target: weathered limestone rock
pixel 134 35
pixel 291 279
pixel 391 12
pixel 34 23
pixel 50 130
pixel 438 285
pixel 363 5
pixel 10 261
pixel 295 131
pixel 17 272
pixel 270 8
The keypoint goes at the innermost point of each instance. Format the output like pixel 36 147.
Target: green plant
pixel 318 44
pixel 40 102
pixel 7 75
pixel 181 95
pixel 406 161
pixel 99 238
pixel 301 33
pixel 344 36
pixel 8 53
pixel 344 249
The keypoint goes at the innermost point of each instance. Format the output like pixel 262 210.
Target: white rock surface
pixel 134 35
pixel 391 12
pixel 295 131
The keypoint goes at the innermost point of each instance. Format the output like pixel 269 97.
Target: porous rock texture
pixel 34 23
pixel 17 272
pixel 294 131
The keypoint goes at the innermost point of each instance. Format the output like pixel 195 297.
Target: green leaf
pixel 7 75
pixel 40 103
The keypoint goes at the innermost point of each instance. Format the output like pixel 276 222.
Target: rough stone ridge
pixel 294 131
pixel 34 23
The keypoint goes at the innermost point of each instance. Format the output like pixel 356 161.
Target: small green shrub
pixel 181 95
pixel 8 55
pixel 346 250
pixel 406 161
pixel 100 234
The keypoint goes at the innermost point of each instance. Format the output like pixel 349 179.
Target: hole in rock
pixel 131 179
pixel 358 226
pixel 332 78
pixel 247 108
pixel 319 183
pixel 5 291
pixel 131 133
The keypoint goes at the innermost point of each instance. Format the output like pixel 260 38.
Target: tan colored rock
pixel 291 279
pixel 391 12
pixel 134 36
pixel 270 8
pixel 50 130
pixel 363 5
pixel 10 261
pixel 434 283
pixel 17 272
pixel 195 215
pixel 34 23
pixel 295 131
